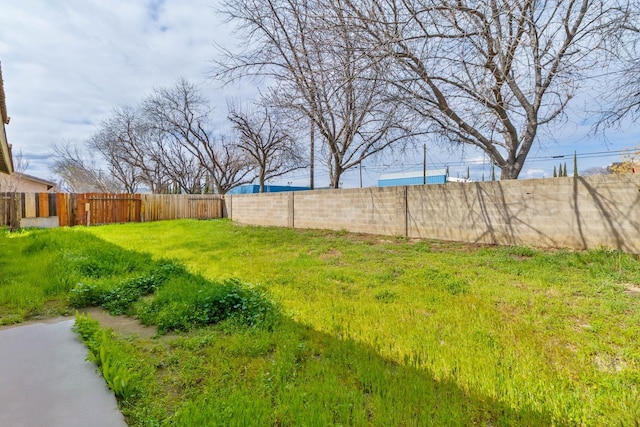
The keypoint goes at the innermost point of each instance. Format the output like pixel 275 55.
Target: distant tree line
pixel 168 144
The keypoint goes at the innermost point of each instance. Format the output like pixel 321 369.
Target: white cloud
pixel 534 173
pixel 66 65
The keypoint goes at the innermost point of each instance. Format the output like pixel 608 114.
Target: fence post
pixel 15 213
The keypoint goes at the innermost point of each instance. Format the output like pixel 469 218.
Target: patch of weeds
pixel 456 286
pixel 386 296
pixel 103 351
pixel 522 251
pixel 119 299
pixel 422 246
pixel 39 242
pixel 443 279
pixel 192 301
pixel 87 295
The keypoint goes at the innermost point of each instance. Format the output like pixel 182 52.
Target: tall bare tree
pixel 266 140
pixel 137 154
pixel 313 56
pixel 623 95
pixel 79 173
pixel 181 115
pixel 488 73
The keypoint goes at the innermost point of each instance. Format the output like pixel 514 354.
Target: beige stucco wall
pixel 584 212
pixel 16 184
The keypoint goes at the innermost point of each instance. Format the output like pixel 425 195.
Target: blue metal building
pixel 255 188
pixel 438 176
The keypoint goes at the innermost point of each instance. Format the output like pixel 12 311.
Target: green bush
pixel 87 295
pixel 188 302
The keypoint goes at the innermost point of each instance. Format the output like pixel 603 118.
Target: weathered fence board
pixel 113 208
pixel 10 209
pixel 29 206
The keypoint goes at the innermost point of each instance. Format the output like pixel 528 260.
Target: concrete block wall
pixel 367 210
pixel 583 212
pixel 267 209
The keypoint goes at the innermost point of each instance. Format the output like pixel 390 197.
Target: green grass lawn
pixel 343 329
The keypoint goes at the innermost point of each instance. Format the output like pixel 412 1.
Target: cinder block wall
pixel 268 209
pixel 367 210
pixel 584 212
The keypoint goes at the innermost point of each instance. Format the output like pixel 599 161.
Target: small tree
pixel 564 172
pixel 78 172
pixel 575 163
pixel 266 141
pixel 555 173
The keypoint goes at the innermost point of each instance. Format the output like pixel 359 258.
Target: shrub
pixel 189 302
pixel 87 295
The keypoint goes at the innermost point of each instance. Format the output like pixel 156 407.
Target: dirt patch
pixel 330 255
pixel 123 325
pixel 609 363
pixel 632 289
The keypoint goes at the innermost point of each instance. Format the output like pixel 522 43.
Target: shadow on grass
pixel 311 378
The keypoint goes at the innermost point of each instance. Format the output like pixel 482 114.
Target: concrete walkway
pixel 46 381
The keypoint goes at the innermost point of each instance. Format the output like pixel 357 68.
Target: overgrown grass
pixel 378 331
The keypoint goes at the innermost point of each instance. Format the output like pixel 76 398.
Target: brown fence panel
pixel 205 207
pixel 103 208
pixel 5 208
pixel 43 204
pixel 65 204
pixel 113 208
pixel 160 207
pixel 82 209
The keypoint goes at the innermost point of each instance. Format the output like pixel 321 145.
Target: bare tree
pixel 488 73
pixel 182 117
pixel 118 141
pixel 137 154
pixel 308 49
pixel 623 96
pixel 266 141
pixel 77 173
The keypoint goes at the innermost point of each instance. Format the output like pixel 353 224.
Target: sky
pixel 67 64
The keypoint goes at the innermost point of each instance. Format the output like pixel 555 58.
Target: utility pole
pixel 424 165
pixel 360 174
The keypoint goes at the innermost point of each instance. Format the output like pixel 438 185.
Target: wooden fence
pixel 101 208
